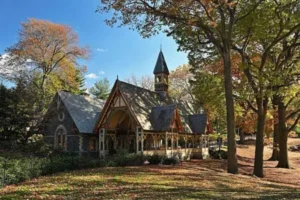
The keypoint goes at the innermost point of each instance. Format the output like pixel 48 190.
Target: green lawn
pixel 192 180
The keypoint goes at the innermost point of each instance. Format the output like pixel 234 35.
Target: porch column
pixel 166 143
pixel 185 145
pixel 172 141
pixel 139 140
pixel 115 140
pixel 102 143
pixel 177 141
pixel 80 145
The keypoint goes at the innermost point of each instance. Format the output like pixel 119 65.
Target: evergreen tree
pixel 101 89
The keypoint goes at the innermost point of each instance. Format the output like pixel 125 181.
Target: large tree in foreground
pixel 205 26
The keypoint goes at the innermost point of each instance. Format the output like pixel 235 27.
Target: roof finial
pixel 117 77
pixel 160 47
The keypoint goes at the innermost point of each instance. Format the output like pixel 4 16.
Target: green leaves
pixel 101 89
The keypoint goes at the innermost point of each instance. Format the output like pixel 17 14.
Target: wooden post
pixel 102 143
pixel 80 145
pixel 139 140
pixel 185 145
pixel 172 141
pixel 142 141
pixel 166 143
pixel 177 141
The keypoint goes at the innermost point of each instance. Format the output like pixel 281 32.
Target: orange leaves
pixel 48 44
pixel 54 48
pixel 218 67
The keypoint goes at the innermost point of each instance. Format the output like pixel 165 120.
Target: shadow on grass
pixel 148 183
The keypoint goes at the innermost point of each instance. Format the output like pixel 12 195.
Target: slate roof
pixel 161 65
pixel 84 110
pixel 197 123
pixel 161 117
pixel 149 108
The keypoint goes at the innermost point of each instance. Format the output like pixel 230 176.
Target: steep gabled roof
pixel 161 117
pixel 161 65
pixel 140 101
pixel 197 123
pixel 84 110
pixel 145 103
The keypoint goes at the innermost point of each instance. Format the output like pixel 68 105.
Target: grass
pixel 197 179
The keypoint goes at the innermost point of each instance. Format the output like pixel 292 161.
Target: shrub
pixel 112 152
pixel 218 154
pixel 18 170
pixel 155 159
pixel 171 161
pixel 126 159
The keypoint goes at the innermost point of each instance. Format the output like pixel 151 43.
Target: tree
pixel 180 86
pixel 16 113
pixel 49 47
pixel 79 78
pixel 286 89
pixel 45 60
pixel 146 81
pixel 197 26
pixel 101 89
pixel 259 34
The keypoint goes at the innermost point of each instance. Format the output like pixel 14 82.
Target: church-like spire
pixel 161 74
pixel 161 65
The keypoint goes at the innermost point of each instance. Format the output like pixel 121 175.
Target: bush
pixel 125 159
pixel 112 152
pixel 155 159
pixel 171 161
pixel 218 154
pixel 18 170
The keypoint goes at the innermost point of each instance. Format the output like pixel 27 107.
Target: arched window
pixel 61 137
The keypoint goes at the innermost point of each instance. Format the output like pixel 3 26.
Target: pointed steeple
pixel 161 65
pixel 161 74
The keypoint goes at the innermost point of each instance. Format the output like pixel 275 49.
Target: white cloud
pixel 91 76
pixel 101 72
pixel 102 50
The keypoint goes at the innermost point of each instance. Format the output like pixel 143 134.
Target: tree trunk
pixel 283 137
pixel 259 147
pixel 242 137
pixel 232 165
pixel 275 153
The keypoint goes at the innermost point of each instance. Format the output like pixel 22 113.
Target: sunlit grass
pixel 189 181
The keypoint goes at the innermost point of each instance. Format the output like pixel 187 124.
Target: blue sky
pixel 115 51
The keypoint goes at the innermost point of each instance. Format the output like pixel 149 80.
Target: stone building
pixel 69 123
pixel 132 118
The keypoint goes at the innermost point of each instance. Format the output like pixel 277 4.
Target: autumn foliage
pixel 53 48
